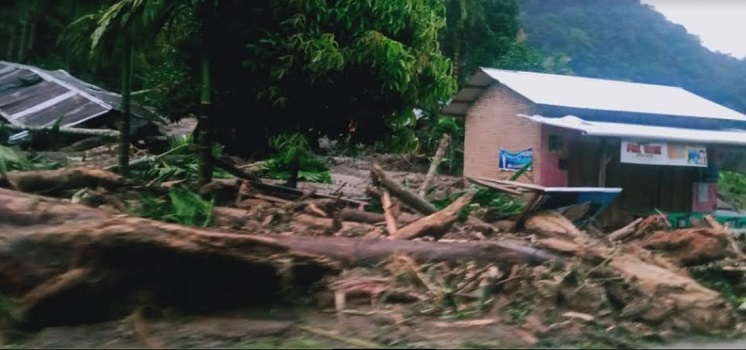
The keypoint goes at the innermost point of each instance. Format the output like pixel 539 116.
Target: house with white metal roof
pixel 661 144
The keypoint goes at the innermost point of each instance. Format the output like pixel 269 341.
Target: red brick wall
pixel 551 174
pixel 491 123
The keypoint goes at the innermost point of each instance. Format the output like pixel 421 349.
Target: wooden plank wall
pixel 644 187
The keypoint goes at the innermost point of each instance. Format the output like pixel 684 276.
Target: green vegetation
pixel 290 149
pixel 727 283
pixel 518 311
pixel 629 40
pixel 181 206
pixel 179 163
pixel 733 184
pixel 13 160
pixel 315 63
pixel 492 204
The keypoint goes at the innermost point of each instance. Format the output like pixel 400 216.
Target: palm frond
pixel 99 32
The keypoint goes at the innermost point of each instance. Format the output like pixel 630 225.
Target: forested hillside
pixel 628 40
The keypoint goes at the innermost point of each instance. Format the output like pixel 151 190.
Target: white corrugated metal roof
pixel 595 94
pixel 31 96
pixel 663 133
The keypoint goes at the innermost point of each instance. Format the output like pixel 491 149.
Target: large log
pixel 108 133
pixel 437 224
pixel 347 214
pixel 50 181
pixel 21 209
pixel 439 154
pixel 68 263
pixel 389 213
pixel 406 196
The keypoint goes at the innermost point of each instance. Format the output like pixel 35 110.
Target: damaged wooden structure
pixel 580 205
pixel 33 99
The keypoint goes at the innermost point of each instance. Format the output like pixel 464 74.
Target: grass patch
pixel 181 206
pixel 518 311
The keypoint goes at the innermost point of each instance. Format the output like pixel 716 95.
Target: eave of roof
pixel 643 132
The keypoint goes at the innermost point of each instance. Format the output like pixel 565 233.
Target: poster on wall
pixel 662 153
pixel 514 161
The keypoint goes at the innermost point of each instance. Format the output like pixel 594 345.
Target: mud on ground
pixel 305 329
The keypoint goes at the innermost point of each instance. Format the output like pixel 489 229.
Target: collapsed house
pixel 661 144
pixel 32 97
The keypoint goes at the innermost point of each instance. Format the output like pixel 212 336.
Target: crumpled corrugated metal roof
pixel 595 94
pixel 647 132
pixel 31 96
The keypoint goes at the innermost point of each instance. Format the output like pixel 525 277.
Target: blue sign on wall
pixel 514 161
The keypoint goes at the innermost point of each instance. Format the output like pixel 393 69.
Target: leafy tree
pixel 478 33
pixel 37 25
pixel 126 19
pixel 106 30
pixel 348 67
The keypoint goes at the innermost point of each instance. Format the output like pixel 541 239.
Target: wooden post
pixel 601 165
pixel 603 161
pixel 442 146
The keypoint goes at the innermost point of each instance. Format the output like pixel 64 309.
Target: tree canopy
pixel 348 69
pixel 348 66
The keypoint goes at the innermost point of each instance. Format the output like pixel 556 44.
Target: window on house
pixel 562 164
pixel 555 143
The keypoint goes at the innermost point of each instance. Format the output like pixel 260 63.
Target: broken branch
pixel 442 146
pixel 388 212
pixel 437 224
pixel 407 197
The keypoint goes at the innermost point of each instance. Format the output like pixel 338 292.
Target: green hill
pixel 628 40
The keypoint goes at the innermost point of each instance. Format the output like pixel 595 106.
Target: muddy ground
pixel 305 328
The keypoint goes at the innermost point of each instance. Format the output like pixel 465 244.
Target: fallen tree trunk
pixel 21 209
pixel 108 133
pixel 668 295
pixel 439 153
pixel 625 231
pixel 374 218
pixel 437 224
pixel 86 144
pixel 230 217
pixel 389 212
pixel 651 292
pixel 69 263
pixel 406 196
pixel 50 181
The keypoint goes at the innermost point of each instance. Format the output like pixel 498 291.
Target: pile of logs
pixel 66 263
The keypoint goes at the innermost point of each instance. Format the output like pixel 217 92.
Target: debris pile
pixel 543 274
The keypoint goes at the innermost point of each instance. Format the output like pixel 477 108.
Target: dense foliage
pixel 350 70
pixel 354 68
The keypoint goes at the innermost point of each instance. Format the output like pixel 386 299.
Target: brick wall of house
pixel 491 123
pixel 552 174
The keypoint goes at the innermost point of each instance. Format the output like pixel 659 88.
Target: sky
pixel 720 24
